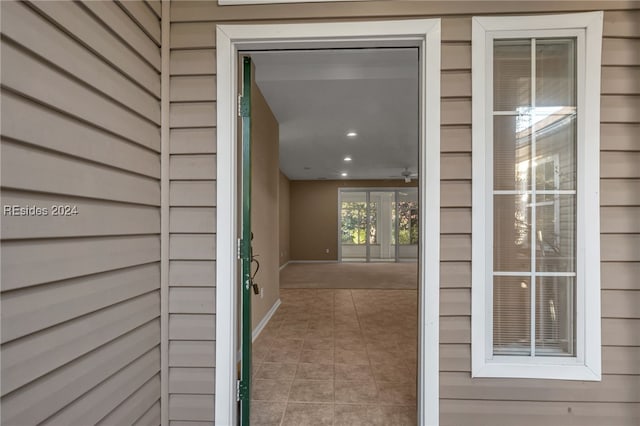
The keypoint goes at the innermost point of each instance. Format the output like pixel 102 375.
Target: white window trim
pixel 587 27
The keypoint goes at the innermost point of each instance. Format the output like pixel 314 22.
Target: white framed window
pixel 536 226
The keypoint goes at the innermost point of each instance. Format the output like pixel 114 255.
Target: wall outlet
pixel 326 251
pixel 261 292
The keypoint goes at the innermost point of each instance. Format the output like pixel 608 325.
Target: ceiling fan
pixel 407 175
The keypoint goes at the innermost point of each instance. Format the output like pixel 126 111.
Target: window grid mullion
pixel 533 200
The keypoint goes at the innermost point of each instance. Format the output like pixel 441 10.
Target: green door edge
pixel 245 247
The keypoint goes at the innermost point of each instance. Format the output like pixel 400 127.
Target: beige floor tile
pixel 311 391
pixel 392 372
pixel 287 344
pixel 353 344
pixel 318 343
pixel 270 390
pixel 283 355
pixel 345 356
pixel 267 413
pixel 355 392
pixel 276 371
pixel 353 372
pixel 396 392
pixel 317 356
pixel 358 415
pixel 292 333
pixel 308 415
pixel 325 332
pixel 399 415
pixel 312 371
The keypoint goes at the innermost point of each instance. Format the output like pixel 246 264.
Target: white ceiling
pixel 320 96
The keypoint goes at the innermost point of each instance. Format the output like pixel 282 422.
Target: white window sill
pixel 560 371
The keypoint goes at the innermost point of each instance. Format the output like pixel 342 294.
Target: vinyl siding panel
pixel 464 401
pixel 192 222
pixel 80 293
pixel 74 20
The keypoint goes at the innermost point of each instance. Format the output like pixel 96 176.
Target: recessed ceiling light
pixel 344 174
pixel 352 134
pixel 347 158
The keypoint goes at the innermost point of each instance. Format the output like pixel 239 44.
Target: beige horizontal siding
pixel 30 169
pixel 193 169
pixel 193 88
pixel 74 20
pixel 193 141
pixel 42 37
pixel 155 6
pixel 193 62
pixel 40 399
pixel 196 114
pixel 60 133
pixel 455 274
pixel 118 387
pixel 192 273
pixel 24 361
pixel 191 327
pixel 534 413
pixel 192 300
pixel 151 417
pixel 34 309
pixel 135 406
pixel 619 137
pixel 116 16
pixel 185 11
pixel 193 78
pixel 192 353
pixel 145 17
pixel 80 293
pixel 191 408
pixel 621 275
pixel 94 218
pixel 196 380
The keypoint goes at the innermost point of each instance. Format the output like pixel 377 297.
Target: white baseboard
pixel 285 265
pixel 313 261
pixel 263 323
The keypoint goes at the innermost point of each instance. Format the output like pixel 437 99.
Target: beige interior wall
pixel 314 215
pixel 265 180
pixel 284 204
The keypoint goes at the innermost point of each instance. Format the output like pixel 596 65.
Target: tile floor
pixel 337 357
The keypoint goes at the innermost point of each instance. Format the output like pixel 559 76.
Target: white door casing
pixel 425 34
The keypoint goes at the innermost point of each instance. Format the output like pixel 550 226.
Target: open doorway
pixel 341 349
pixel 230 41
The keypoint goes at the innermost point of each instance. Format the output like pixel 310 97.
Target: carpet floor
pixel 402 275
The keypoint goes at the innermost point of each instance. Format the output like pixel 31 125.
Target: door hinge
pixel 239 105
pixel 241 390
pixel 239 247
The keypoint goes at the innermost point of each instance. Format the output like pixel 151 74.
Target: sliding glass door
pixel 378 225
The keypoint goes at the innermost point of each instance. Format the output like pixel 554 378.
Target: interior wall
pixel 284 205
pixel 314 215
pixel 265 182
pixel 81 285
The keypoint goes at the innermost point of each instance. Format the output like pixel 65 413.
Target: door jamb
pixel 422 33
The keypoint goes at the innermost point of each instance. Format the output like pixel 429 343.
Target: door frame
pixel 425 34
